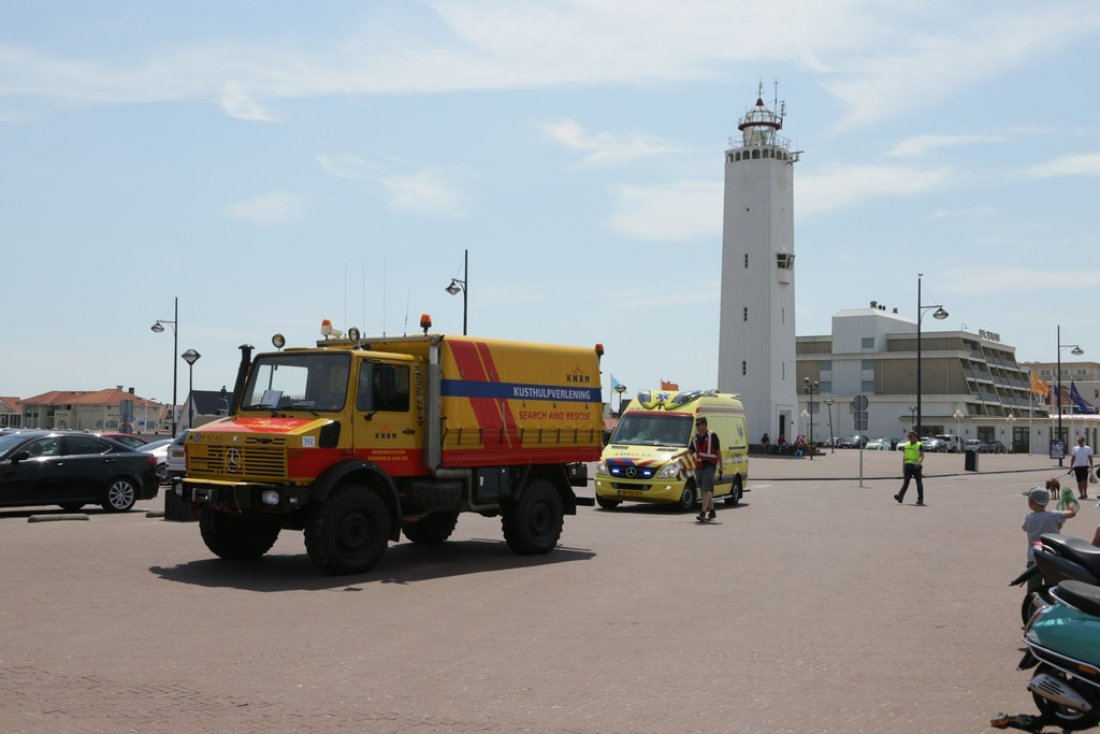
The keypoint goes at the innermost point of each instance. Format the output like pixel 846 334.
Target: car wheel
pixel 162 473
pixel 734 497
pixel 120 496
pixel 687 498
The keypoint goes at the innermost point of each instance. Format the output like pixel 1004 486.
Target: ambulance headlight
pixel 601 467
pixel 670 470
pixel 269 497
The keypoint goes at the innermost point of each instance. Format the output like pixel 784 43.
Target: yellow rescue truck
pixel 637 465
pixel 359 439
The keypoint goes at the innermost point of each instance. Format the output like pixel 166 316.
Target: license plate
pixel 629 493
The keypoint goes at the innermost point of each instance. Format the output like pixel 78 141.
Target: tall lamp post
pixel 939 315
pixel 832 438
pixel 157 328
pixel 1076 352
pixel 810 387
pixel 1011 420
pixel 461 285
pixel 958 416
pixel 190 357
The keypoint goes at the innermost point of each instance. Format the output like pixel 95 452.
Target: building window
pixel 826 386
pixel 826 365
pixel 867 364
pixel 867 386
pixel 745 314
pixel 744 367
pixel 867 342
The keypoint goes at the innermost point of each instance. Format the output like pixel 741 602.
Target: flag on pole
pixel 1079 404
pixel 1039 386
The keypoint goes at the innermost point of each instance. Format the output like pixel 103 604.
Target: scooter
pixel 1063 645
pixel 1058 558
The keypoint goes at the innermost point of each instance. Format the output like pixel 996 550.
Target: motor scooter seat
pixel 1085 597
pixel 1071 547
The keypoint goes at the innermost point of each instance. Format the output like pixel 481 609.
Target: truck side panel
pixel 509 403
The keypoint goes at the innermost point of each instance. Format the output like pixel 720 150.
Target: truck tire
pixel 236 537
pixel 349 532
pixel 432 529
pixel 533 524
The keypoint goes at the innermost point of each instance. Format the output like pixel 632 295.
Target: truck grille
pixel 236 461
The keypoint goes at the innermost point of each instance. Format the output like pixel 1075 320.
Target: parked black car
pixel 73 469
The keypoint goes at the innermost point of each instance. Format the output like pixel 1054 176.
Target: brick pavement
pixel 816 606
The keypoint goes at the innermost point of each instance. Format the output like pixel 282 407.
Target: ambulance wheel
pixel 607 504
pixel 432 529
pixel 349 532
pixel 687 498
pixel 734 497
pixel 236 537
pixel 533 523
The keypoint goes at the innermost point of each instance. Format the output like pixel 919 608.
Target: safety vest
pixel 912 451
pixel 704 449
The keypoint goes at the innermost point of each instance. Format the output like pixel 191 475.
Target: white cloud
pixel 1011 279
pixel 268 210
pixel 964 212
pixel 919 145
pixel 236 103
pixel 842 187
pixel 673 212
pixel 427 191
pixel 344 165
pixel 605 148
pixel 1086 164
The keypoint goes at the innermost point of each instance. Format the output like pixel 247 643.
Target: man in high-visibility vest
pixel 913 457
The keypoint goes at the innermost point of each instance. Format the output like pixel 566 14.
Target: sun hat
pixel 1038 495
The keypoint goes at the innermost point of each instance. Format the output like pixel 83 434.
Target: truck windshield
pixel 649 429
pixel 289 381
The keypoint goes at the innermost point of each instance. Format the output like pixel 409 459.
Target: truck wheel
pixel 236 537
pixel 432 529
pixel 349 532
pixel 533 524
pixel 734 497
pixel 687 498
pixel 607 504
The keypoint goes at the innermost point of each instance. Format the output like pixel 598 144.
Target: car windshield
pixel 309 381
pixel 653 429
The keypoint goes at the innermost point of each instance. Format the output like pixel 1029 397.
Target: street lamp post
pixel 939 315
pixel 1077 352
pixel 190 357
pixel 810 387
pixel 157 328
pixel 958 416
pixel 462 285
pixel 832 438
pixel 620 388
pixel 912 412
pixel 1011 420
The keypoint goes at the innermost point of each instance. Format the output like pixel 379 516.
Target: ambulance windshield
pixel 653 429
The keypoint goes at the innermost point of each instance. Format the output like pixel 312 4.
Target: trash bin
pixel 971 460
pixel 175 508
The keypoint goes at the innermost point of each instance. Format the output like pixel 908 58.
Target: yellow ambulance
pixel 637 465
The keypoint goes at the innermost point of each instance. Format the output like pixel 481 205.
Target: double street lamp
pixel 810 387
pixel 157 328
pixel 461 285
pixel 832 437
pixel 1076 352
pixel 939 315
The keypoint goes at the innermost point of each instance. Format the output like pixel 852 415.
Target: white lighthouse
pixel 756 354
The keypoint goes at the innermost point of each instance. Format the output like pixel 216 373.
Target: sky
pixel 271 164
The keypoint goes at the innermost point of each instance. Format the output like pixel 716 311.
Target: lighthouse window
pixel 744 367
pixel 755 154
pixel 729 158
pixel 746 259
pixel 745 313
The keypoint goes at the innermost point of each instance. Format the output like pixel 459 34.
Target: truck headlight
pixel 269 497
pixel 670 470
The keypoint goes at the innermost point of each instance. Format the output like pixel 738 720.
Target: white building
pixel 756 345
pixel 971 384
